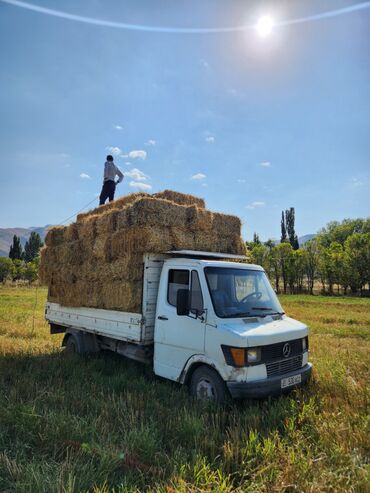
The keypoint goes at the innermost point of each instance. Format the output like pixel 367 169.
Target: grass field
pixel 104 423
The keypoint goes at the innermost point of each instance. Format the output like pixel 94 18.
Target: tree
pixel 284 255
pixel 19 269
pixel 290 228
pixel 340 231
pixel 256 239
pixel 32 247
pixel 299 266
pixel 283 229
pixel 15 251
pixel 259 253
pixel 6 268
pixel 357 246
pixel 31 270
pixel 311 261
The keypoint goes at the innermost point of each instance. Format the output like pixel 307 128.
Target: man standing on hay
pixel 109 183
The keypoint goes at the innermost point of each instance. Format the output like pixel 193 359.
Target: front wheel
pixel 207 385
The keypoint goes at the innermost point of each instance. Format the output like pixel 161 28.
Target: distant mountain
pixel 302 240
pixel 6 237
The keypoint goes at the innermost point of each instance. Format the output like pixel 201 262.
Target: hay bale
pixel 139 240
pixel 98 261
pixel 226 224
pixel 71 232
pixel 180 198
pixel 107 223
pixel 156 212
pixel 115 204
pixel 55 236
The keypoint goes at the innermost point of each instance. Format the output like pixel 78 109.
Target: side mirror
pixel 182 302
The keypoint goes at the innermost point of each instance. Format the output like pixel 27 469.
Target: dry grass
pixel 105 424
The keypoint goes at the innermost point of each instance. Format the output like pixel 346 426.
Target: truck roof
pixel 205 255
pixel 214 263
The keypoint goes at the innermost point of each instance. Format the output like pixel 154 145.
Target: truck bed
pixel 123 326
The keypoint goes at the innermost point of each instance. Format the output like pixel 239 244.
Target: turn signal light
pixel 238 355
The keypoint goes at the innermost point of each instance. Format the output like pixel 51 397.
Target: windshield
pixel 241 293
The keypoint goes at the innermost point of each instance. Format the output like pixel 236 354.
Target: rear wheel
pixel 71 345
pixel 207 385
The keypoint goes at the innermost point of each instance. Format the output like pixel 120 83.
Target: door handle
pixel 162 317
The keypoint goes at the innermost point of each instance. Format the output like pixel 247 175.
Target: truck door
pixel 176 338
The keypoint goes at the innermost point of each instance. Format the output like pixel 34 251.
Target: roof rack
pixel 205 255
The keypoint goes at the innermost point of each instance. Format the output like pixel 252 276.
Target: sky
pixel 254 124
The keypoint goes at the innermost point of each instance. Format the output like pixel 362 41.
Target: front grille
pixel 284 366
pixel 275 351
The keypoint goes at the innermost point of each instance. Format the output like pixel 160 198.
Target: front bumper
pixel 269 386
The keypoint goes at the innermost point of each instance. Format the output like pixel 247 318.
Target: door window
pixel 196 298
pixel 177 279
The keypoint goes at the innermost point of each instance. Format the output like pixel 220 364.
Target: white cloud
pixel 204 184
pixel 118 127
pixel 115 151
pixel 136 174
pixel 85 176
pixel 128 163
pixel 205 64
pixel 150 142
pixel 139 185
pixel 210 139
pixel 241 180
pixel 265 164
pixel 137 154
pixel 255 204
pixel 198 176
pixel 356 182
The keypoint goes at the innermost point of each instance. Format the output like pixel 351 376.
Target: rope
pixel 75 214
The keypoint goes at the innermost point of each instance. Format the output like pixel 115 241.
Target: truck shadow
pixel 105 406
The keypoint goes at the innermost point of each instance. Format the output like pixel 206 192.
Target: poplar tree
pixel 290 228
pixel 256 239
pixel 283 238
pixel 15 252
pixel 32 247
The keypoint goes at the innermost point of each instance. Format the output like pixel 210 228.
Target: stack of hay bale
pixel 98 260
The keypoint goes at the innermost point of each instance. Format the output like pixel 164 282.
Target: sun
pixel 264 26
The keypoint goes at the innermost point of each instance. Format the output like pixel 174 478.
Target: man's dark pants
pixel 109 187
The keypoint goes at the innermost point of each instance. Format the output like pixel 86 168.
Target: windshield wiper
pixel 262 308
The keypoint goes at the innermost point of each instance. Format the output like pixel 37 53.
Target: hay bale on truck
pixel 97 261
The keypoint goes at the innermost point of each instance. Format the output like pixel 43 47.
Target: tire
pixel 207 385
pixel 71 345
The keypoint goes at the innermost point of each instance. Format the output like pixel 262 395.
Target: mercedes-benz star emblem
pixel 286 350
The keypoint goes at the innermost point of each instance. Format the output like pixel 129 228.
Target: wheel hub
pixel 205 390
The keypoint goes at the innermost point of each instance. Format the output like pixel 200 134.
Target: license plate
pixel 288 382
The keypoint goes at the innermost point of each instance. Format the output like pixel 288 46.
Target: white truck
pixel 207 320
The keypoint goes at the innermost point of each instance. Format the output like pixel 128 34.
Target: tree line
pixel 22 264
pixel 336 260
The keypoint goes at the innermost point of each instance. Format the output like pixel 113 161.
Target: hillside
pixel 6 237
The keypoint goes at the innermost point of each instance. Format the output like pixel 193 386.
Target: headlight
pixel 253 355
pixel 238 357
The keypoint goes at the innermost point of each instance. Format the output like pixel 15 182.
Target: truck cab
pixel 220 328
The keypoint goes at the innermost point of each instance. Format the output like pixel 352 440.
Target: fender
pixel 201 358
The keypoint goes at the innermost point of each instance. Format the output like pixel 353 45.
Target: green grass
pixel 104 423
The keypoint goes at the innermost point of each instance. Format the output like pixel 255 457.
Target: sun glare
pixel 264 26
